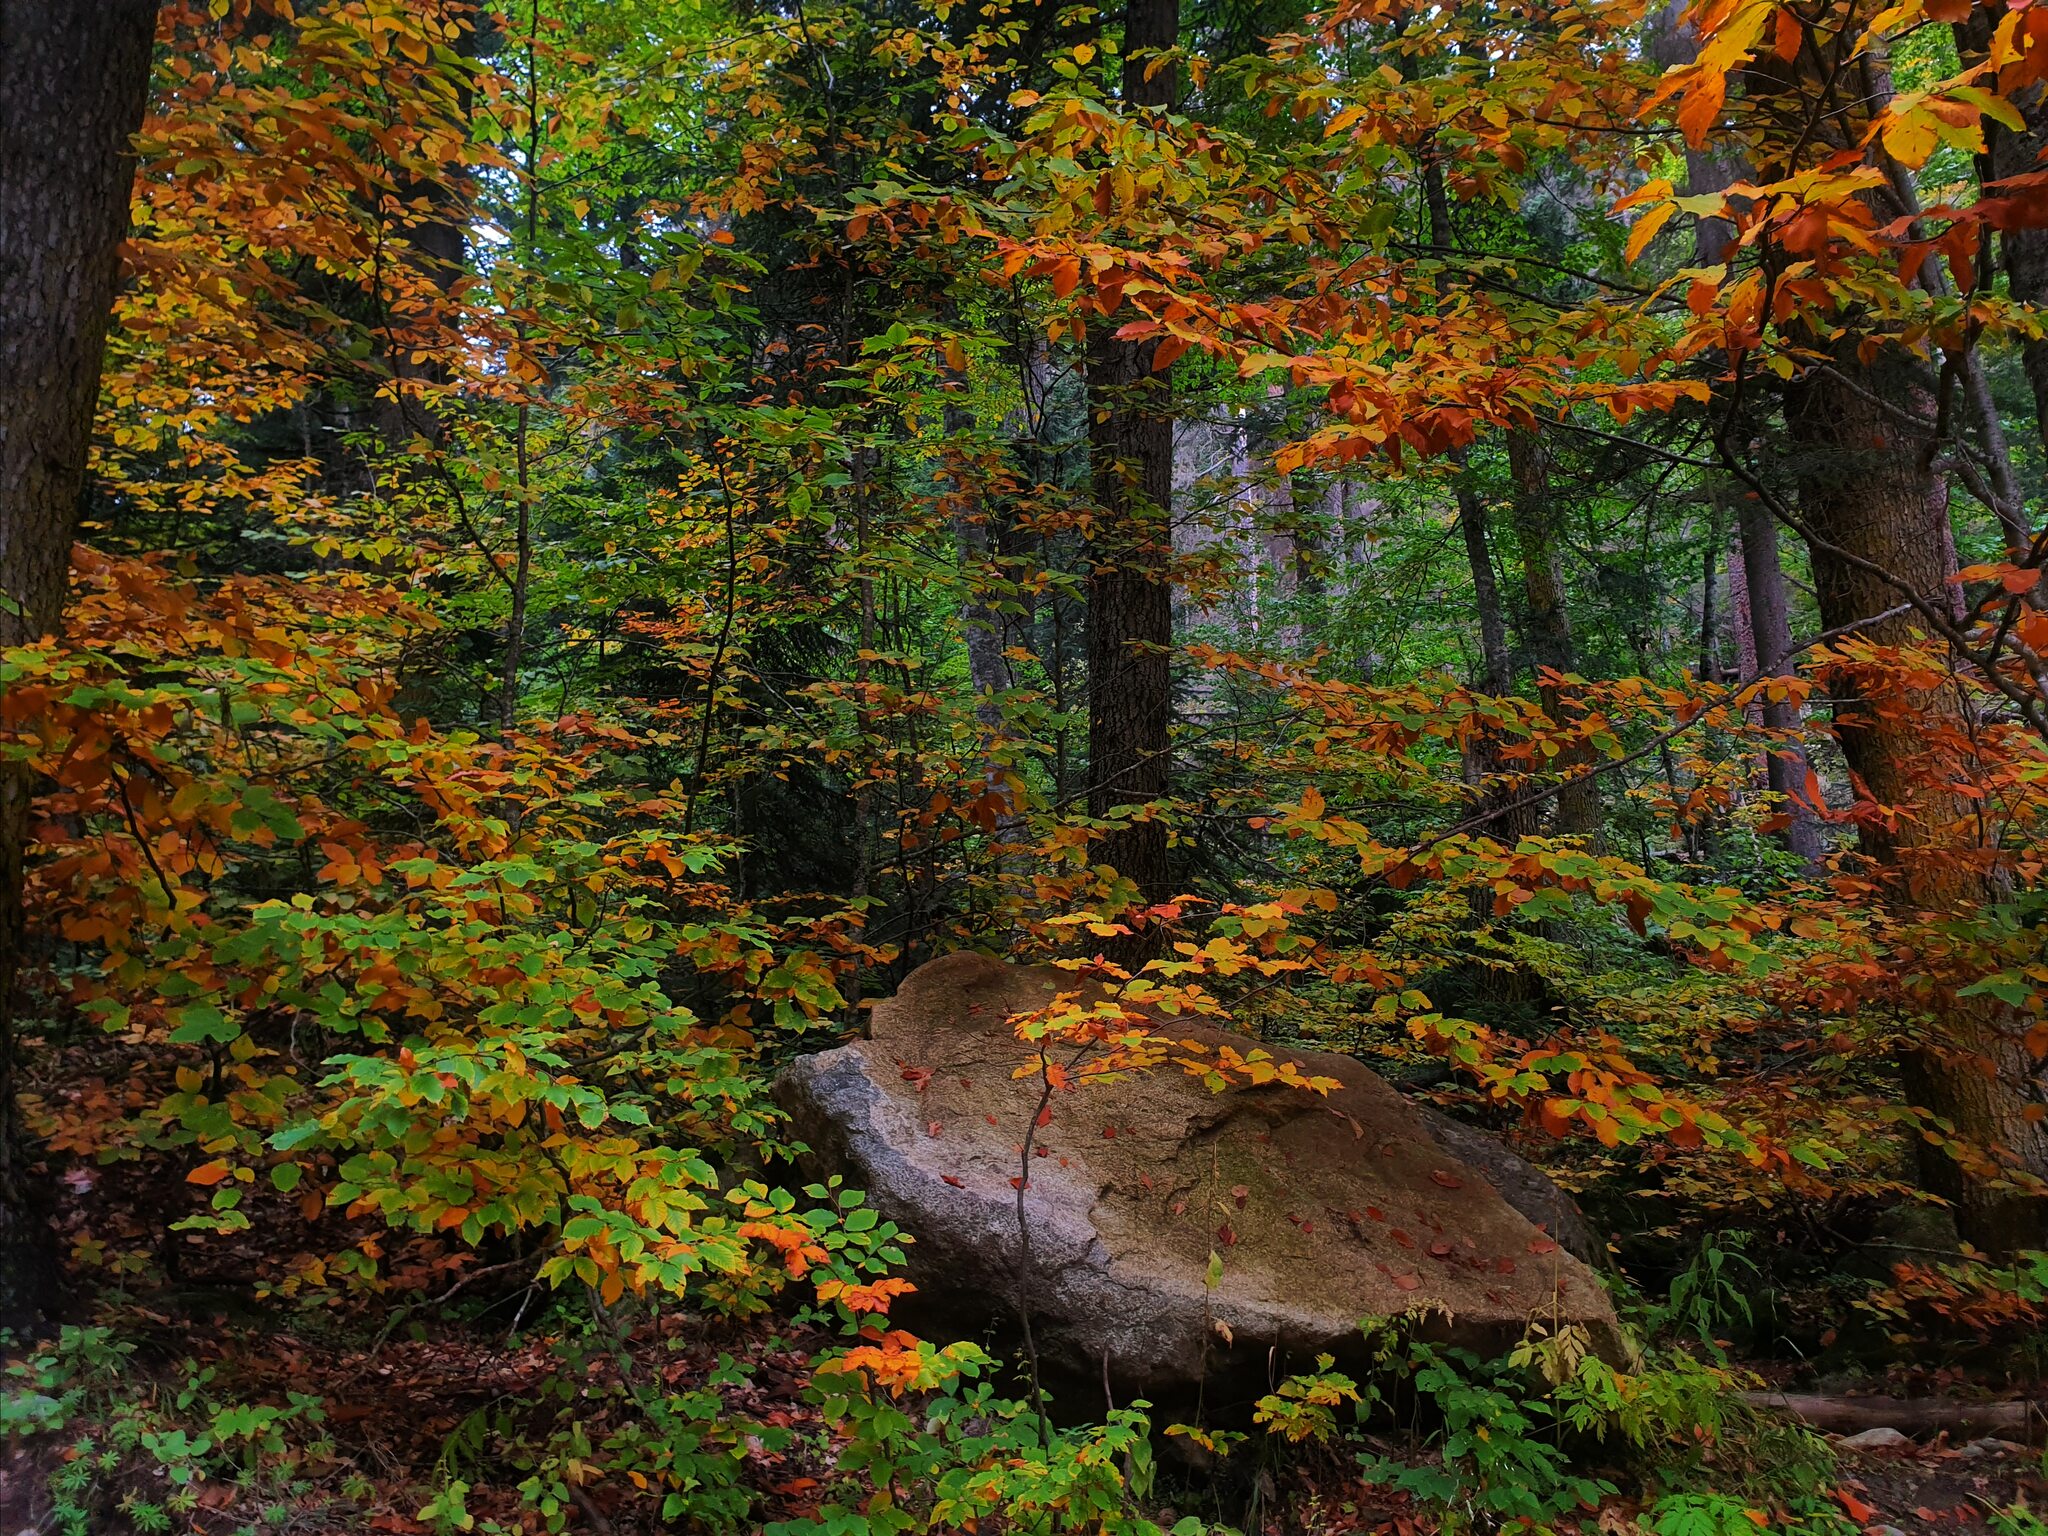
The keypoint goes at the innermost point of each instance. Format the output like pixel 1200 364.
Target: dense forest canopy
pixel 554 553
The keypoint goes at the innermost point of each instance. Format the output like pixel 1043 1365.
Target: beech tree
pixel 73 81
pixel 1130 595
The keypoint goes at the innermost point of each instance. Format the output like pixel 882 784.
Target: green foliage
pixel 80 1385
pixel 1304 1406
pixel 964 1455
pixel 1494 1466
pixel 1711 1294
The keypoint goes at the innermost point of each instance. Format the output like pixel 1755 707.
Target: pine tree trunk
pixel 1865 495
pixel 1130 596
pixel 73 81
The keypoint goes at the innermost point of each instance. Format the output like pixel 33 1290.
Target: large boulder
pixel 1324 1211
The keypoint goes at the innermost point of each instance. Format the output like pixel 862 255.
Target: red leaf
pixel 1225 1236
pixel 949 1179
pixel 1858 1511
pixel 1448 1180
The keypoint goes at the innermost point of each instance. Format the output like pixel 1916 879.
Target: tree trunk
pixel 1130 596
pixel 73 81
pixel 1498 674
pixel 1496 671
pixel 1865 496
pixel 2007 154
pixel 1770 629
pixel 431 241
pixel 1549 633
pixel 1741 622
pixel 1709 670
pixel 1771 639
pixel 1496 677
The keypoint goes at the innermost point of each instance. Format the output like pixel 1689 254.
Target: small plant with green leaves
pixel 1492 1466
pixel 927 1445
pixel 1305 1407
pixel 2018 1519
pixel 1710 1297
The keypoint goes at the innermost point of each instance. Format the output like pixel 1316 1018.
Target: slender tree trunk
pixel 1549 633
pixel 1741 622
pixel 434 258
pixel 1771 639
pixel 984 627
pixel 1130 596
pixel 1865 495
pixel 1709 670
pixel 1496 674
pixel 2016 153
pixel 981 620
pixel 73 82
pixel 521 579
pixel 1770 628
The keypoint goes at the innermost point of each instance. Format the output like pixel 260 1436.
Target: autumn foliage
pixel 586 581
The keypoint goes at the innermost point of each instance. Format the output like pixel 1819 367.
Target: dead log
pixel 2019 1419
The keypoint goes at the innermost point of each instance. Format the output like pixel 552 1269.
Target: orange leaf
pixel 1787 32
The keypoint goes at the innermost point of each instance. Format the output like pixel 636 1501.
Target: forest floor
pixel 404 1414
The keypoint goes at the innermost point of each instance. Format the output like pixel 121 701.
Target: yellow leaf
pixel 1646 228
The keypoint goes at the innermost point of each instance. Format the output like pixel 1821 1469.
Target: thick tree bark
pixel 73 81
pixel 1130 596
pixel 1865 497
pixel 1549 631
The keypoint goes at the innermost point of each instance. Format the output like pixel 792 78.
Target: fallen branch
pixel 2020 1419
